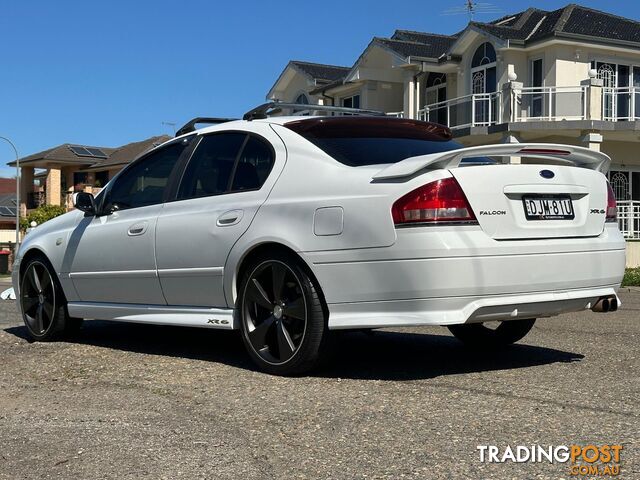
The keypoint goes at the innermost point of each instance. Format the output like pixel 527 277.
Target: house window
pixel 621 96
pixel 484 80
pixel 625 185
pixel 79 181
pixel 351 102
pixel 435 94
pixel 537 80
pixel 102 178
pixel 301 99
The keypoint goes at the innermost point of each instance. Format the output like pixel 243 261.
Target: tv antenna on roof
pixel 472 8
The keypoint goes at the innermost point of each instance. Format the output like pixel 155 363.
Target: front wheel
pixel 281 315
pixel 483 335
pixel 43 304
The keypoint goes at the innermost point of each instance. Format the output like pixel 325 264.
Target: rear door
pixel 535 201
pixel 226 180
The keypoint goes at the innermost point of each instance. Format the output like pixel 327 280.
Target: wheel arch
pixel 259 249
pixel 32 253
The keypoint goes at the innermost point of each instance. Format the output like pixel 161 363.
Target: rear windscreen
pixel 359 151
pixel 361 141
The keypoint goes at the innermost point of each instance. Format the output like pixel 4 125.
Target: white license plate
pixel 554 207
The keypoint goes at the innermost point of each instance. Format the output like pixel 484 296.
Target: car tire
pixel 43 304
pixel 480 335
pixel 282 315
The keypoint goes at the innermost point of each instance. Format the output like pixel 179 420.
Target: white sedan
pixel 289 227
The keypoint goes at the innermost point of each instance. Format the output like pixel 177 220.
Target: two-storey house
pixel 570 75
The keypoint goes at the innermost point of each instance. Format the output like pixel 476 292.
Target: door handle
pixel 232 217
pixel 137 229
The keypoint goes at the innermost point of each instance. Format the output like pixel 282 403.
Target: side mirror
pixel 85 202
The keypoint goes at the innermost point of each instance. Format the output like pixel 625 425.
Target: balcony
pixel 536 104
pixel 478 109
pixel 629 218
pixel 549 104
pixel 622 103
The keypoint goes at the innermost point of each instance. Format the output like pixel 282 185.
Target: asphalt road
pixel 132 401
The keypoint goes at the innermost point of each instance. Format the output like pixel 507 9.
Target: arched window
pixel 484 81
pixel 485 54
pixel 302 99
pixel 483 69
pixel 620 185
pixel 434 79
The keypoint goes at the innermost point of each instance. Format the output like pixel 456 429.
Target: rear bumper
pixel 455 310
pixel 434 276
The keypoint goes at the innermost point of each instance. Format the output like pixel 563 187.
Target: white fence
pixel 550 104
pixel 621 103
pixel 629 218
pixel 478 109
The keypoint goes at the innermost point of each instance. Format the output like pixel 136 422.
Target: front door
pixel 111 257
pixel 221 190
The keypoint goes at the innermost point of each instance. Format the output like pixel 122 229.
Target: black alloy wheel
pixel 38 299
pixel 282 316
pixel 43 303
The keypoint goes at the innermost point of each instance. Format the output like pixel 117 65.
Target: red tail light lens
pixel 442 201
pixel 612 208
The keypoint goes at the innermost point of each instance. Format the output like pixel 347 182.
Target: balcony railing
pixel 621 103
pixel 478 109
pixel 629 218
pixel 550 104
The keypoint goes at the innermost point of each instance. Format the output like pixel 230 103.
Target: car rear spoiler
pixel 546 152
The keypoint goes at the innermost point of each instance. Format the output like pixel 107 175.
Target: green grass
pixel 631 277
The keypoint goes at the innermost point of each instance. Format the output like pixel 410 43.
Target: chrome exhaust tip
pixel 606 304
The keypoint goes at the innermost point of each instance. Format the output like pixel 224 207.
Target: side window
pixel 211 165
pixel 144 182
pixel 219 166
pixel 253 167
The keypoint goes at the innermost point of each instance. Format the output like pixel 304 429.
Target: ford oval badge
pixel 547 174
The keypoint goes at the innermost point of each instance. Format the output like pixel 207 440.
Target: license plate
pixel 554 207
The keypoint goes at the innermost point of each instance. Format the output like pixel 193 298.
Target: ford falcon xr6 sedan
pixel 288 227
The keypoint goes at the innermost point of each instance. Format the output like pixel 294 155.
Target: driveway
pixel 134 401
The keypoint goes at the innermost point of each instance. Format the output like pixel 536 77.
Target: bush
pixel 631 277
pixel 41 215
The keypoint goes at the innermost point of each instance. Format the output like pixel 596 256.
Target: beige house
pixel 52 176
pixel 568 76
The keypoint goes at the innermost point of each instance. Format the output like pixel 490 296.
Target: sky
pixel 111 72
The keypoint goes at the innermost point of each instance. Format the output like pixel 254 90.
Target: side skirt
pixel 222 318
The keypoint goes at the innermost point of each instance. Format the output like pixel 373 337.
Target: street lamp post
pixel 15 150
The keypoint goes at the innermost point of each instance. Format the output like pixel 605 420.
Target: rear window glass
pixel 359 151
pixel 374 141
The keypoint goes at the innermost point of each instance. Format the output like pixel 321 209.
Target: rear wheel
pixel 492 334
pixel 44 307
pixel 282 320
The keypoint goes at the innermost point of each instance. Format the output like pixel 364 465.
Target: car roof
pixel 339 121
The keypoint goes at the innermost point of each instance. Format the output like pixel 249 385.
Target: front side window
pixel 145 181
pixel 225 163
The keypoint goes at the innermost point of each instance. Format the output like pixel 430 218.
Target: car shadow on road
pixel 377 355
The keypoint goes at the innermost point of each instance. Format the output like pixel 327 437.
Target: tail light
pixel 442 201
pixel 612 208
